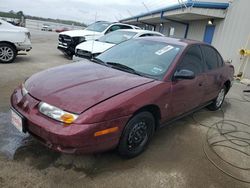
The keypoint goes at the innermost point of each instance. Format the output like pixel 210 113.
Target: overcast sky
pixel 83 10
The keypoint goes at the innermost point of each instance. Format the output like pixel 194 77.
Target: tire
pixel 8 53
pixel 136 135
pixel 218 101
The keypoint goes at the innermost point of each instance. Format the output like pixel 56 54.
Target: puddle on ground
pixel 24 148
pixel 10 138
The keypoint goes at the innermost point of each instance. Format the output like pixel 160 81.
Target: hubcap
pixel 6 54
pixel 138 135
pixel 220 97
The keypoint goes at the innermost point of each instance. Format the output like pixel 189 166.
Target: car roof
pixel 170 40
pixel 139 31
pixel 113 23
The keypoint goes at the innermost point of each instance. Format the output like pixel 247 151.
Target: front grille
pixel 64 40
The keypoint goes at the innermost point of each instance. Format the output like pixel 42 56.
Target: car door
pixel 213 73
pixel 187 94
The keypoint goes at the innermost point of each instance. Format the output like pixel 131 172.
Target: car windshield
pixel 117 37
pixel 98 26
pixel 146 57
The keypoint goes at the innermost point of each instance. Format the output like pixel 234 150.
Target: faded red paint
pixel 105 97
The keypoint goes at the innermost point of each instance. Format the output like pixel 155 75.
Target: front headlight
pixel 28 35
pixel 56 113
pixel 78 40
pixel 24 90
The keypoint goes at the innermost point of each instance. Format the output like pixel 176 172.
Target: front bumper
pixel 67 44
pixel 23 46
pixel 68 51
pixel 74 138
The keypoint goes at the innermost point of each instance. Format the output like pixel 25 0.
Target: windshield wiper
pixel 99 61
pixel 123 67
pixel 107 42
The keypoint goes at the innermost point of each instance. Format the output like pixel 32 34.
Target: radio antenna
pixel 146 7
pixel 129 13
pixel 93 37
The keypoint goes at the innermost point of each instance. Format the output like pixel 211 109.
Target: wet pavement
pixel 176 157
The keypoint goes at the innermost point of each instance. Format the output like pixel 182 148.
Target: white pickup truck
pixel 12 40
pixel 68 40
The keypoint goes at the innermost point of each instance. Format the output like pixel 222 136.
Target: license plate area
pixel 17 120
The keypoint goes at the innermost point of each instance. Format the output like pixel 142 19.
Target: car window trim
pixel 183 55
pixel 217 52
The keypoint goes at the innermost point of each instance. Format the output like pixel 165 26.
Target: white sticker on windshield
pixel 164 50
pixel 157 70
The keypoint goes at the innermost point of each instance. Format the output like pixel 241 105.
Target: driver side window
pixel 192 60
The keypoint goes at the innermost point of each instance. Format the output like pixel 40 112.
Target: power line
pixel 145 6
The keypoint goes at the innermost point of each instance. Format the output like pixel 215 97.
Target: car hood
pixel 80 86
pixel 80 33
pixel 13 28
pixel 94 46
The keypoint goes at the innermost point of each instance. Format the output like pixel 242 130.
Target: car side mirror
pixel 184 74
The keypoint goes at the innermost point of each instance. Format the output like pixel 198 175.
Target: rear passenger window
pixel 146 35
pixel 125 27
pixel 116 27
pixel 149 35
pixel 210 57
pixel 192 60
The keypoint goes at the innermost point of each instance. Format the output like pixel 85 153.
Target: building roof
pixel 189 3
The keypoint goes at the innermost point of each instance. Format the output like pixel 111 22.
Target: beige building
pixel 225 24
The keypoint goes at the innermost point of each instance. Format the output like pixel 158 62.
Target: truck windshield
pixel 98 26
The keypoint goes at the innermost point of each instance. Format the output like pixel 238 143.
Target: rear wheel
pixel 7 53
pixel 137 134
pixel 218 101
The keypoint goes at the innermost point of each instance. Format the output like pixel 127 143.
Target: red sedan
pixel 59 30
pixel 120 98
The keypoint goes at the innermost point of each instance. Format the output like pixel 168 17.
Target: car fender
pixel 12 36
pixel 127 103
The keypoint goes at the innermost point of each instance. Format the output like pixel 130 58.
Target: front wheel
pixel 218 101
pixel 137 134
pixel 7 53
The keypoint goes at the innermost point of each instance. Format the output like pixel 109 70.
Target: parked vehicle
pixel 90 49
pixel 59 30
pixel 46 28
pixel 68 40
pixel 12 40
pixel 122 97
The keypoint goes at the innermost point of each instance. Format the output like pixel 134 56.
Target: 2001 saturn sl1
pixel 120 98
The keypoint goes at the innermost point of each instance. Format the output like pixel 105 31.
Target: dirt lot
pixel 175 158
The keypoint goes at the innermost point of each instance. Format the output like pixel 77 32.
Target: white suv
pixel 68 40
pixel 12 40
